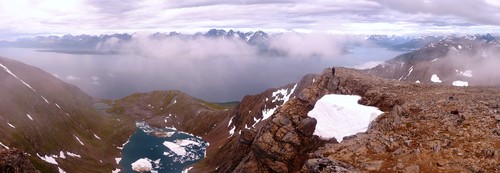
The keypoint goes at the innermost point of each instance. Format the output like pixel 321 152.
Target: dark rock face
pixel 15 161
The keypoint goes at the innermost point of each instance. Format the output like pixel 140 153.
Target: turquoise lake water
pixel 145 144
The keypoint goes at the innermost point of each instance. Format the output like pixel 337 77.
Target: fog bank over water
pixel 211 69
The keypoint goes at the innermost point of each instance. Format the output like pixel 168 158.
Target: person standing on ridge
pixel 333 71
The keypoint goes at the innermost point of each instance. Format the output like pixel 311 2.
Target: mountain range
pixel 426 126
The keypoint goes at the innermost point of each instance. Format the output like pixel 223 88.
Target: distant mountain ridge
pixel 468 60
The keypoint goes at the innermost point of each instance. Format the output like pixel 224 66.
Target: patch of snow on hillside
pixel 48 159
pixel 285 96
pixel 97 137
pixel 410 70
pixel 60 170
pixel 116 170
pixel 435 78
pixel 12 74
pixel 29 117
pixel 459 46
pixel 61 155
pixel 142 165
pixel 176 148
pixel 73 154
pixel 5 146
pixel 266 113
pixel 230 121
pixel 434 60
pixel 341 115
pixel 460 83
pixel 44 99
pixel 79 140
pixel 467 73
pixel 118 159
pixel 231 132
pixel 187 170
pixel 418 81
pixel 11 125
pixel 57 105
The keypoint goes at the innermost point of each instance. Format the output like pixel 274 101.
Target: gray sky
pixel 34 17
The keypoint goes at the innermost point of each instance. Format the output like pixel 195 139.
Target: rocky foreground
pixel 425 128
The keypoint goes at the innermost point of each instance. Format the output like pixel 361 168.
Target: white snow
pixel 187 170
pixel 409 72
pixel 12 74
pixel 467 73
pixel 116 170
pixel 435 78
pixel 266 113
pixel 29 117
pixel 417 81
pixel 79 140
pixel 73 154
pixel 118 159
pixel 231 132
pixel 176 148
pixel 459 46
pixel 460 83
pixel 44 99
pixel 230 121
pixel 175 101
pixel 11 125
pixel 186 142
pixel 142 165
pixel 97 137
pixel 5 146
pixel 60 170
pixel 57 105
pixel 61 155
pixel 284 93
pixel 48 159
pixel 434 60
pixel 341 115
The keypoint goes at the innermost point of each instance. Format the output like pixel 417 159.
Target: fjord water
pixel 113 76
pixel 144 144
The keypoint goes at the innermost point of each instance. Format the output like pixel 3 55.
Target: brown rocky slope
pixel 419 131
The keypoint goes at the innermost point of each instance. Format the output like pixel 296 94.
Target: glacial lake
pixel 167 150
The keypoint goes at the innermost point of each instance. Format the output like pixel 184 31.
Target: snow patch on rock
pixel 435 78
pixel 341 115
pixel 460 83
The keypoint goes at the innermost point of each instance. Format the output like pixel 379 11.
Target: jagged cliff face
pixel 459 61
pixel 55 123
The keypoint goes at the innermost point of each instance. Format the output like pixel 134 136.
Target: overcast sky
pixel 45 17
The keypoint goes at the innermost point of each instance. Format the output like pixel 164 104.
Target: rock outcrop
pixel 15 161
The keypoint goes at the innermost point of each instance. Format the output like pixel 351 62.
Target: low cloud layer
pixel 220 69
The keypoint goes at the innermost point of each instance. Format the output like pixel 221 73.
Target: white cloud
pixel 28 17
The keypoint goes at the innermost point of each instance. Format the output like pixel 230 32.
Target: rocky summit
pixel 424 128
